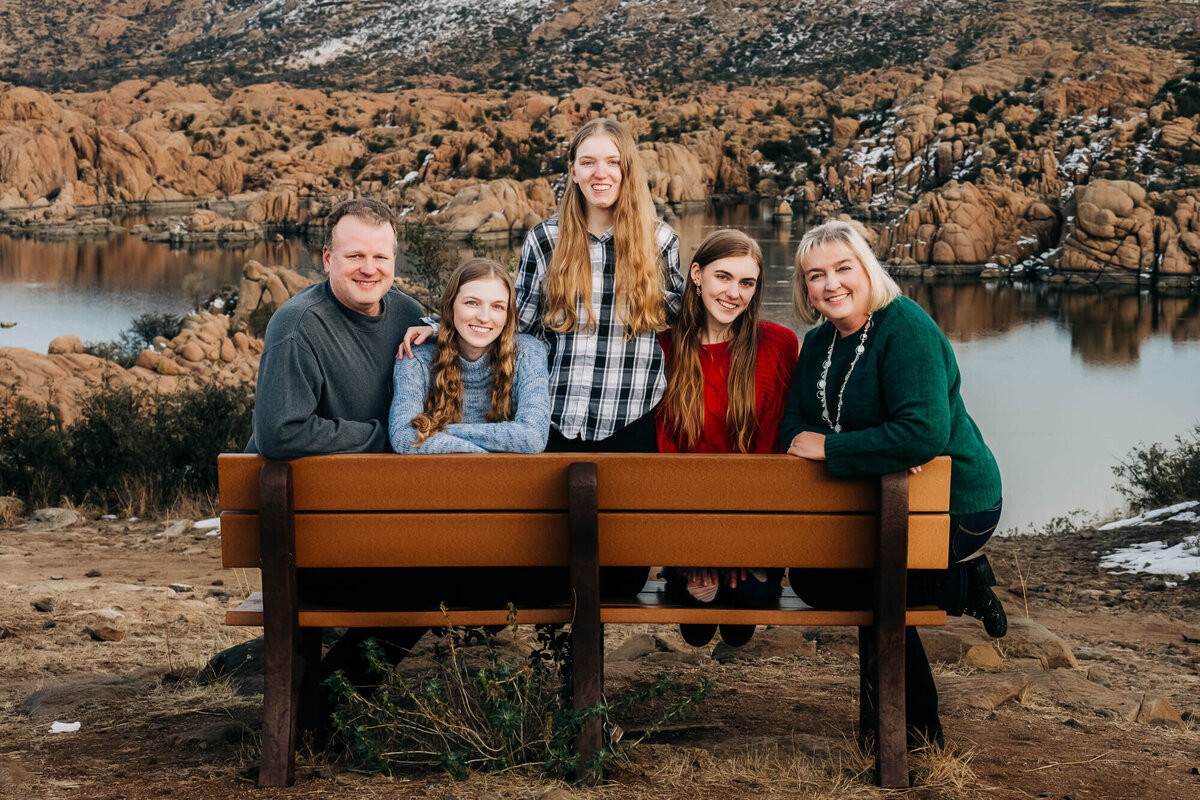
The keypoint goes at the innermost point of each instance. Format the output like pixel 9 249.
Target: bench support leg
pixel 885 672
pixel 587 632
pixel 286 650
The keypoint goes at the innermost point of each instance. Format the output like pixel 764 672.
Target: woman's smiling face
pixel 597 171
pixel 727 286
pixel 838 286
pixel 480 311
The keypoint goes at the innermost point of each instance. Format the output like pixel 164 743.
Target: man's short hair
pixel 368 210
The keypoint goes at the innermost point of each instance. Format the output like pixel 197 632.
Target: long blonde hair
pixel 683 402
pixel 443 405
pixel 639 278
pixel 883 289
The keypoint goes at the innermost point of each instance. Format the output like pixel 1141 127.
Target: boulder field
pixel 1043 154
pixel 213 347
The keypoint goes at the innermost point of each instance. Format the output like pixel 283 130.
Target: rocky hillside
pixel 971 146
pixel 550 45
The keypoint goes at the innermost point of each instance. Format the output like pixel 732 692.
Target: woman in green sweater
pixel 876 390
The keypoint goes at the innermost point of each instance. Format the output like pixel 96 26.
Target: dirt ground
pixel 1095 697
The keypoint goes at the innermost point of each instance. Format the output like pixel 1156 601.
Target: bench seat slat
pixel 626 481
pixel 650 607
pixel 626 539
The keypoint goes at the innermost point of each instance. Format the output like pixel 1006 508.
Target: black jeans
pixel 636 437
pixel 947 589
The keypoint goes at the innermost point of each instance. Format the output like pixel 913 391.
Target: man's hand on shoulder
pixel 412 337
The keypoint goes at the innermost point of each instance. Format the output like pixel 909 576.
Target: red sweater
pixel 778 349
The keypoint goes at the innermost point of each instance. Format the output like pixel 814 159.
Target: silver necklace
pixel 836 423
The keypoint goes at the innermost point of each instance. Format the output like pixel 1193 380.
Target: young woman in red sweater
pixel 728 374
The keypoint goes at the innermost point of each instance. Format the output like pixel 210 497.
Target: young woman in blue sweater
pixel 481 387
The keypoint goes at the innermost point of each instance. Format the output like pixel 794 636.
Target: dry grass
pixel 12 510
pixel 1022 575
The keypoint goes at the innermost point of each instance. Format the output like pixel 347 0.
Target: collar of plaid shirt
pixel 600 380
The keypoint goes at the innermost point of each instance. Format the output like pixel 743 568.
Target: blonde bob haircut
pixel 883 289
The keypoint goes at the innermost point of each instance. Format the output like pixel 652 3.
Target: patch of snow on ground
pixel 208 524
pixel 1156 558
pixel 325 52
pixel 1157 516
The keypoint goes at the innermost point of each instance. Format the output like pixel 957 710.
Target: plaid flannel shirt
pixel 600 381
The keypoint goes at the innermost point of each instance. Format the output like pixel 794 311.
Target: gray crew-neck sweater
pixel 526 432
pixel 324 380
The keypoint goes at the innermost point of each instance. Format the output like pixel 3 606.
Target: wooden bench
pixel 581 512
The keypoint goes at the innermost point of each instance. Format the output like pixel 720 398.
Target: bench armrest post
pixel 587 632
pixel 281 630
pixel 891 602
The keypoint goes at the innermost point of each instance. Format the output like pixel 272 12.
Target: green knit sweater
pixel 901 407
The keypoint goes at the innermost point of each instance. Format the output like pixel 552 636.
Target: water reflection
pixel 1062 382
pixel 125 263
pixel 1106 328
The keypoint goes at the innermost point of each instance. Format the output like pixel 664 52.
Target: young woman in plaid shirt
pixel 596 283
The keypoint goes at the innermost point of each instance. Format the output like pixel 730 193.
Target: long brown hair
pixel 639 278
pixel 684 400
pixel 443 405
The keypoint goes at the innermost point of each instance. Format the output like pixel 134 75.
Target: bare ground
pixel 778 723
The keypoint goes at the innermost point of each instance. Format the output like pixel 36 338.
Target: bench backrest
pixel 511 510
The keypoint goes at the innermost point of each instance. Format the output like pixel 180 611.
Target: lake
pixel 1061 382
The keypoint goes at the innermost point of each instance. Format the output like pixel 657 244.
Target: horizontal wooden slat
pixel 684 482
pixel 650 608
pixel 626 538
pixel 763 540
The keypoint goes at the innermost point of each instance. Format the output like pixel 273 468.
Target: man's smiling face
pixel 361 263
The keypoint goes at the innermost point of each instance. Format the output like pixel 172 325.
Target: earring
pixel 697 290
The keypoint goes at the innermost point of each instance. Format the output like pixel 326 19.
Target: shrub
pixel 1157 476
pixel 140 334
pixel 487 711
pixel 33 455
pixel 425 252
pixel 129 449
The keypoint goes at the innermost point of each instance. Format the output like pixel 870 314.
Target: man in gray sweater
pixel 325 378
pixel 325 386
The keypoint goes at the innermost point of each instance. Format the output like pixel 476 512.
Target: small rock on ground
pixel 637 646
pixel 53 519
pixel 61 701
pixel 781 642
pixel 1028 638
pixel 1073 690
pixel 216 733
pixel 984 692
pixel 242 664
pixel 105 633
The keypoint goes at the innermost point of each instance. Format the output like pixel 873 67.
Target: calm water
pixel 1062 384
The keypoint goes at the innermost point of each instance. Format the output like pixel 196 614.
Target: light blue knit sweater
pixel 525 433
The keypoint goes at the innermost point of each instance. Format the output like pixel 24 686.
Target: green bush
pixel 425 254
pixel 129 449
pixel 140 334
pixel 1157 476
pixel 488 710
pixel 33 453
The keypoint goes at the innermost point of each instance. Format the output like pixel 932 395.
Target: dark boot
pixel 697 634
pixel 982 603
